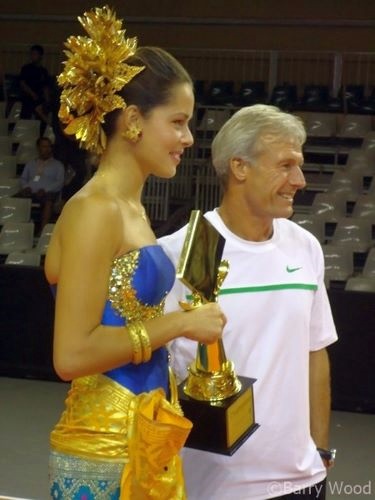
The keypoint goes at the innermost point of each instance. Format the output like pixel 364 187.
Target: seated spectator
pixel 35 86
pixel 43 179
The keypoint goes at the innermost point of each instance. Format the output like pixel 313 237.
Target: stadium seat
pixel 44 238
pixel 213 119
pixel 15 210
pixel 354 233
pixel 16 236
pixel 220 93
pixel 347 183
pixel 314 98
pixel 338 263
pixel 251 93
pixel 368 145
pixel 311 223
pixel 329 206
pixel 358 158
pixel 9 187
pixel 355 126
pixel 369 267
pixel 15 112
pixel 320 124
pixel 26 129
pixel 8 167
pixel 284 96
pixel 360 284
pixel 23 258
pixel 352 96
pixel 365 206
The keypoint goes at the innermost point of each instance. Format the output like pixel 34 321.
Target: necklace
pixel 140 211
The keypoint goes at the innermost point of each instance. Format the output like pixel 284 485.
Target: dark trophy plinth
pixel 220 404
pixel 221 426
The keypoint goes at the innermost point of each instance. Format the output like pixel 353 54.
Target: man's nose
pixel 297 178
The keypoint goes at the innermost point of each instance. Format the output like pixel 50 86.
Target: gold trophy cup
pixel 220 404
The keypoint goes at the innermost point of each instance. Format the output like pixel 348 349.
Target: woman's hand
pixel 204 323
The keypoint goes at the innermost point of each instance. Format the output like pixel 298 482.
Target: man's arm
pixel 320 397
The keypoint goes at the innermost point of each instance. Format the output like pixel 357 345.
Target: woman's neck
pixel 120 174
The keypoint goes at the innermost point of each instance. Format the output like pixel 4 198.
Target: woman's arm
pixel 89 237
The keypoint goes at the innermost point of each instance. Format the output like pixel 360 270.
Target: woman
pixel 111 277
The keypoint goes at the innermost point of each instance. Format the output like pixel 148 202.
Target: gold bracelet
pixel 145 341
pixel 136 343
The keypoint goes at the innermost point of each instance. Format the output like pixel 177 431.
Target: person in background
pixel 279 320
pixel 42 179
pixel 131 107
pixel 35 87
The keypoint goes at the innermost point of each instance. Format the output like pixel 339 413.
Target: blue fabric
pixel 152 280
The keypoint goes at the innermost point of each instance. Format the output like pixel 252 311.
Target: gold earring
pixel 132 134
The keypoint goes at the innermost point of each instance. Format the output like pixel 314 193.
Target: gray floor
pixel 29 408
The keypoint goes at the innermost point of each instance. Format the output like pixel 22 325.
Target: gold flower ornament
pixel 94 71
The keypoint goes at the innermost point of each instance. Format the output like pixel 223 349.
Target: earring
pixel 132 134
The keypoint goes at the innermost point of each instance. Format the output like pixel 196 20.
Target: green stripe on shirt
pixel 269 288
pixel 266 288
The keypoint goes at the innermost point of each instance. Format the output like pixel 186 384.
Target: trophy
pixel 219 403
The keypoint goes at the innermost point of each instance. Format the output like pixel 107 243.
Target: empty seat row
pixel 339 267
pixel 18 237
pixel 354 233
pixel 318 125
pixel 314 97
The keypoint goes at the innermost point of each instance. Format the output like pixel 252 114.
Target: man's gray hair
pixel 248 132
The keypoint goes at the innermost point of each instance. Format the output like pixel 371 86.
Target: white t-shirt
pixel 278 311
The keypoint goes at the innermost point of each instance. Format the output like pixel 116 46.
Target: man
pixel 42 179
pixel 279 318
pixel 35 86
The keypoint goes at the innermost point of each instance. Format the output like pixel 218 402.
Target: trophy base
pixel 220 426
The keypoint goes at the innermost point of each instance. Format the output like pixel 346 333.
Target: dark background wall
pixel 345 25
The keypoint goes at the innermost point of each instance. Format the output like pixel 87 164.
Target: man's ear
pixel 238 167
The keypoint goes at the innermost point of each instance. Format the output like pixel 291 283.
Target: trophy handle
pixel 211 357
pixel 211 377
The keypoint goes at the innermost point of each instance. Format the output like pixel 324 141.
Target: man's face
pixel 273 180
pixel 35 56
pixel 45 150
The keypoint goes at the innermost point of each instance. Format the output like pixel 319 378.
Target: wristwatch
pixel 328 456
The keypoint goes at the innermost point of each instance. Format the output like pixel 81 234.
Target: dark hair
pixel 37 48
pixel 152 86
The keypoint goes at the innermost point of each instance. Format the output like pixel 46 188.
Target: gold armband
pixel 136 343
pixel 141 342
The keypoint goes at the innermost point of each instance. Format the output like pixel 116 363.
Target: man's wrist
pixel 328 456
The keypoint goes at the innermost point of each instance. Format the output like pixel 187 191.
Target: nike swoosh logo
pixel 292 269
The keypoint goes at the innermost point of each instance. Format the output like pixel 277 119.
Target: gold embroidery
pixel 122 294
pixel 94 423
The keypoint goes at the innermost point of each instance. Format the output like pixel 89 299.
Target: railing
pixel 273 67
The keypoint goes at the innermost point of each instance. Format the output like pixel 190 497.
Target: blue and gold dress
pixel 89 445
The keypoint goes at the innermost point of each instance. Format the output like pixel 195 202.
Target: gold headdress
pixel 94 71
